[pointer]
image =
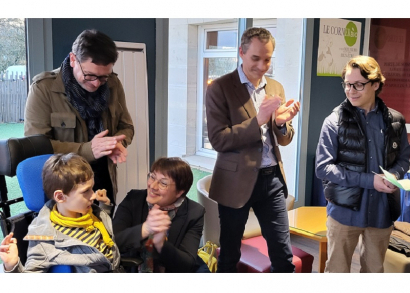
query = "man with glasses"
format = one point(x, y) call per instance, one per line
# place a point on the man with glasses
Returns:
point(248, 119)
point(360, 135)
point(81, 107)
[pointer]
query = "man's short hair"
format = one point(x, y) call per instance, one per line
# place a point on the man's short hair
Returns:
point(64, 172)
point(369, 69)
point(177, 169)
point(95, 45)
point(262, 34)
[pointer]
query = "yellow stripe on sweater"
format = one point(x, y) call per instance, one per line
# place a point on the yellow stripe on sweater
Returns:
point(92, 238)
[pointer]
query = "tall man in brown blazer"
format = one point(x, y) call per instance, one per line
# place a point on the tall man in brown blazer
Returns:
point(247, 119)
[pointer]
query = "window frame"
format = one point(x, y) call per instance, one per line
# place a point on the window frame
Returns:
point(202, 54)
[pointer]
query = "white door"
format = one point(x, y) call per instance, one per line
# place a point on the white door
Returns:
point(131, 68)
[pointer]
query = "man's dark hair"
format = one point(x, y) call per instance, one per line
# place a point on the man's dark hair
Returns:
point(95, 45)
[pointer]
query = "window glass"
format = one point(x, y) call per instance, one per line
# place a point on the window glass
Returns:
point(271, 71)
point(13, 95)
point(221, 40)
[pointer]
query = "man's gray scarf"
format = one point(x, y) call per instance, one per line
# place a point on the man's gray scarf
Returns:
point(89, 105)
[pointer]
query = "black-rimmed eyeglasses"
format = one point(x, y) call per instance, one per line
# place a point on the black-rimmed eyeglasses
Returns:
point(92, 77)
point(358, 86)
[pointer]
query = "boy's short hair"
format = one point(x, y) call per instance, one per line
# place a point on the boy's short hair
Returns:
point(64, 172)
point(262, 34)
point(178, 170)
point(369, 69)
point(95, 45)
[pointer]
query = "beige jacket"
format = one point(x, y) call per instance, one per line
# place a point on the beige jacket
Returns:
point(234, 133)
point(49, 112)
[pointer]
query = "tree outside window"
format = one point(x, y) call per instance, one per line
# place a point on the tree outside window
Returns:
point(12, 43)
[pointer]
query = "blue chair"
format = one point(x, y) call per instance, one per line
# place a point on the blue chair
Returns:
point(31, 184)
point(405, 203)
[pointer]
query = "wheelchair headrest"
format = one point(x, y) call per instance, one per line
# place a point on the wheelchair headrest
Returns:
point(15, 150)
point(31, 183)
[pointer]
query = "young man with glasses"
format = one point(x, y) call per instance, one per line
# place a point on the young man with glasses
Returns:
point(360, 135)
point(81, 107)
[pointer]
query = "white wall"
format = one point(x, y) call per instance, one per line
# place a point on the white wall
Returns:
point(182, 84)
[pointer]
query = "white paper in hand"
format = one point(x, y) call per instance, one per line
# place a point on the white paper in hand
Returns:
point(402, 184)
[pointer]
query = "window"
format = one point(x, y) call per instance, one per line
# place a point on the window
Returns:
point(13, 81)
point(217, 56)
point(221, 40)
point(13, 95)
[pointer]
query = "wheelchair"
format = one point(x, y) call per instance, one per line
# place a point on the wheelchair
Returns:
point(32, 152)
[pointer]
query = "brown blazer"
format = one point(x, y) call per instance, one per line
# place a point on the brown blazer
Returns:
point(234, 133)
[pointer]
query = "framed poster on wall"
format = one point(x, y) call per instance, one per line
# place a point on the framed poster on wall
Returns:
point(339, 41)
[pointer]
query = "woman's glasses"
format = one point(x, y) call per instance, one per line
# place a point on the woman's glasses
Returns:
point(162, 183)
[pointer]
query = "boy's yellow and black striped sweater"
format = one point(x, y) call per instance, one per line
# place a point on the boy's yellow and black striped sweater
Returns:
point(92, 238)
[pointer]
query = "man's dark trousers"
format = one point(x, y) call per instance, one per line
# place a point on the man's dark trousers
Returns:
point(269, 204)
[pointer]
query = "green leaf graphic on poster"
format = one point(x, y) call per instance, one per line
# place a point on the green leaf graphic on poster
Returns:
point(351, 34)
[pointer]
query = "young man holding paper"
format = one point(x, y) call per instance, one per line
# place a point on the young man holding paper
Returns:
point(360, 135)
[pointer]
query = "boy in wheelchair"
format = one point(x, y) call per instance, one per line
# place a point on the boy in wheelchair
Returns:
point(69, 229)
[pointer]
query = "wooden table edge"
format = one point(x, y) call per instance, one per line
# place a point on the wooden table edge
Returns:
point(298, 232)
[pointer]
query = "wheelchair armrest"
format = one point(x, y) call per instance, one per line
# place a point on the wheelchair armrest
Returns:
point(131, 261)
